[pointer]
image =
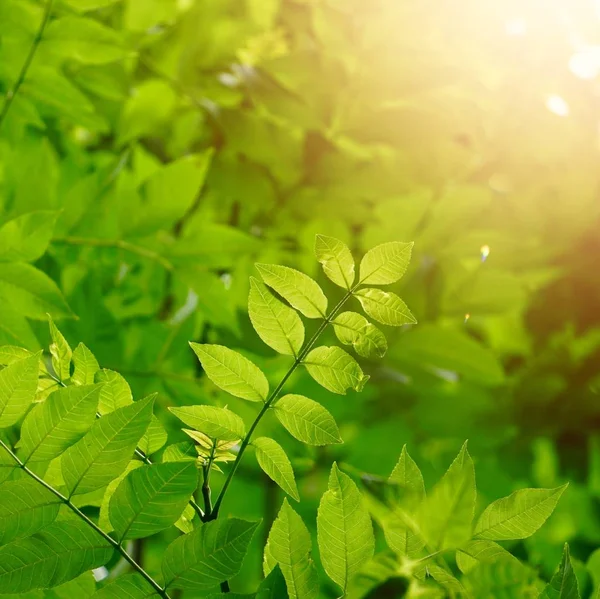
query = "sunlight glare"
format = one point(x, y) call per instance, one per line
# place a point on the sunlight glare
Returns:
point(557, 105)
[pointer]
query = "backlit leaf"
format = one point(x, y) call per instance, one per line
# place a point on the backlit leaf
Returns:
point(116, 392)
point(278, 325)
point(385, 263)
point(289, 546)
point(232, 372)
point(154, 438)
point(218, 423)
point(18, 384)
point(85, 366)
point(61, 353)
point(479, 552)
point(25, 507)
point(447, 512)
point(59, 553)
point(273, 460)
point(354, 329)
point(344, 529)
point(302, 292)
point(152, 498)
point(104, 452)
point(335, 369)
point(127, 586)
point(517, 516)
point(336, 259)
point(207, 556)
point(58, 422)
point(307, 420)
point(384, 307)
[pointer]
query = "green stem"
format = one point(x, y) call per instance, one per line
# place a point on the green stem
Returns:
point(206, 493)
point(14, 90)
point(120, 244)
point(115, 544)
point(272, 397)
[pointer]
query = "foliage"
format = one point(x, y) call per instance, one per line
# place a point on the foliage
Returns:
point(152, 152)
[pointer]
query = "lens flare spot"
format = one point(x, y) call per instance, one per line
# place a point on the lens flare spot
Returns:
point(467, 316)
point(585, 64)
point(557, 105)
point(485, 252)
point(515, 27)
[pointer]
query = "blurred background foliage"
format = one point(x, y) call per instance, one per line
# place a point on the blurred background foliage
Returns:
point(167, 145)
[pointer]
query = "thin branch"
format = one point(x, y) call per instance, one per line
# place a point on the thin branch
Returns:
point(14, 90)
point(120, 244)
point(246, 441)
point(115, 544)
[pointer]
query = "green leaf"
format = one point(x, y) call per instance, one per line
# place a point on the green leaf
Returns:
point(85, 366)
point(116, 392)
point(447, 513)
point(231, 372)
point(278, 325)
point(272, 459)
point(354, 329)
point(517, 516)
point(335, 369)
point(58, 422)
point(128, 586)
point(207, 556)
point(25, 238)
point(478, 552)
point(9, 354)
point(336, 259)
point(563, 584)
point(104, 452)
point(385, 263)
point(14, 327)
point(307, 420)
point(298, 289)
point(31, 291)
point(406, 478)
point(384, 307)
point(25, 507)
point(344, 529)
point(61, 353)
point(273, 586)
point(7, 465)
point(406, 492)
point(104, 518)
point(155, 436)
point(59, 553)
point(152, 498)
point(18, 384)
point(289, 546)
point(218, 423)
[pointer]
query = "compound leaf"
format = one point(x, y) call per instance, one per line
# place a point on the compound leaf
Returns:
point(307, 420)
point(207, 556)
point(336, 259)
point(232, 372)
point(274, 462)
point(517, 516)
point(354, 329)
point(218, 423)
point(384, 307)
point(302, 292)
point(58, 422)
point(344, 529)
point(385, 263)
point(104, 452)
point(151, 498)
point(278, 325)
point(478, 552)
point(289, 546)
point(335, 369)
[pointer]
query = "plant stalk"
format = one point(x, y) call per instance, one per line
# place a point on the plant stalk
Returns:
point(115, 544)
point(272, 397)
point(14, 90)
